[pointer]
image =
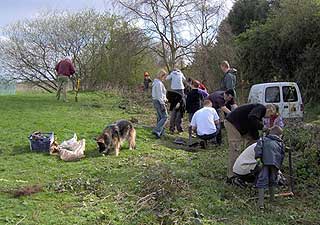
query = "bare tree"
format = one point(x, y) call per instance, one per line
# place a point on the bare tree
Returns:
point(33, 47)
point(178, 25)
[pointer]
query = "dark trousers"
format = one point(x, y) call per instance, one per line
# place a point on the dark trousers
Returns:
point(176, 120)
point(190, 116)
point(267, 177)
point(207, 137)
point(252, 176)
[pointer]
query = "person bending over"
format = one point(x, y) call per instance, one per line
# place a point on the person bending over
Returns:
point(243, 125)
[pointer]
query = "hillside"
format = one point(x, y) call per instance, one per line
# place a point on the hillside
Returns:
point(158, 183)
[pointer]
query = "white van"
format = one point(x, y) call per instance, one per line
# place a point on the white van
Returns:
point(286, 95)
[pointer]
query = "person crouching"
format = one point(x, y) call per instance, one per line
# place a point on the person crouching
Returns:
point(206, 122)
point(269, 152)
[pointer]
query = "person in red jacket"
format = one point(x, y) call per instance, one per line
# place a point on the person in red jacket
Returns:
point(64, 70)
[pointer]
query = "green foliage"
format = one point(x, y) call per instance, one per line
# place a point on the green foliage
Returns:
point(312, 113)
point(125, 56)
point(246, 12)
point(306, 155)
point(285, 47)
point(207, 59)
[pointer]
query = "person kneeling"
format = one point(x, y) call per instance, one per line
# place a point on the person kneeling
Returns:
point(206, 122)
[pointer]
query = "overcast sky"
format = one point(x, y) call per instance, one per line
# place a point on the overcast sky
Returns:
point(14, 10)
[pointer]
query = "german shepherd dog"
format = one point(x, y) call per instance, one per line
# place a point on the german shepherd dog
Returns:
point(114, 135)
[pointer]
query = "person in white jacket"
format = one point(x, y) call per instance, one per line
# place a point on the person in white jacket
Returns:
point(177, 78)
point(246, 168)
point(159, 102)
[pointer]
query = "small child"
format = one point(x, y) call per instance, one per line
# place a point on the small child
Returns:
point(275, 119)
point(269, 152)
point(146, 81)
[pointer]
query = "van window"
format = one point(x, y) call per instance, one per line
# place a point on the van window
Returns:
point(289, 94)
point(272, 94)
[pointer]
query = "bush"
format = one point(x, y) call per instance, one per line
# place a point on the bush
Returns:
point(305, 154)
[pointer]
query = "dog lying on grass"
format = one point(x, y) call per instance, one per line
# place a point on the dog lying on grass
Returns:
point(114, 135)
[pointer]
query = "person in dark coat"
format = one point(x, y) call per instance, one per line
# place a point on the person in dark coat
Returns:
point(243, 125)
point(222, 101)
point(229, 79)
point(194, 100)
point(177, 109)
point(269, 152)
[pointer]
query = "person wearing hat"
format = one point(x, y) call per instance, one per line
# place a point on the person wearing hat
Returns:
point(64, 70)
point(223, 102)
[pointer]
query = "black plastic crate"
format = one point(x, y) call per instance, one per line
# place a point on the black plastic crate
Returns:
point(41, 141)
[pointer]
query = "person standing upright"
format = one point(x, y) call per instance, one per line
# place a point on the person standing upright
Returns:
point(229, 79)
point(177, 78)
point(64, 69)
point(159, 102)
point(146, 81)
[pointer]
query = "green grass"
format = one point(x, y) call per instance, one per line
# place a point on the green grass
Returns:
point(157, 183)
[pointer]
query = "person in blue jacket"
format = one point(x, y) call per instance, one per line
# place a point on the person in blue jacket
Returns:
point(269, 152)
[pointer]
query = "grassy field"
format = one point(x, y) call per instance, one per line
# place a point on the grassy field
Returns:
point(158, 183)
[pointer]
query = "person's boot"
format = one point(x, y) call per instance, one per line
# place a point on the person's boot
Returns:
point(261, 198)
point(271, 193)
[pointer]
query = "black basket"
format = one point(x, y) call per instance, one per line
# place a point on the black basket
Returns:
point(43, 143)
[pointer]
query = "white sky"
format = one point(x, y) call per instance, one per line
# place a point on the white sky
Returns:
point(13, 10)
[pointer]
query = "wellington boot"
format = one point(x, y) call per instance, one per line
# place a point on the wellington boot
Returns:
point(261, 198)
point(271, 193)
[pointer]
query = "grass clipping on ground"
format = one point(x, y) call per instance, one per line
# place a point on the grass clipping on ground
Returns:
point(159, 189)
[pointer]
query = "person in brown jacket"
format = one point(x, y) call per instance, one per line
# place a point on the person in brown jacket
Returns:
point(64, 70)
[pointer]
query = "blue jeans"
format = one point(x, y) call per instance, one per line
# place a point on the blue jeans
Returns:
point(162, 117)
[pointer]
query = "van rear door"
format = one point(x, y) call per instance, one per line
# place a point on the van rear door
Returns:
point(273, 96)
point(291, 101)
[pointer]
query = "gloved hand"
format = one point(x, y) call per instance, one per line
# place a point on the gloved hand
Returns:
point(259, 162)
point(266, 130)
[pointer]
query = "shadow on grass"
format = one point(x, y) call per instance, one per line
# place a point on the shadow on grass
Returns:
point(19, 150)
point(93, 153)
point(169, 142)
